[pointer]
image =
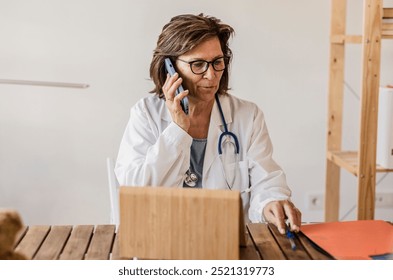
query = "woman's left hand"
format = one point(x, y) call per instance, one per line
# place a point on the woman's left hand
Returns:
point(277, 212)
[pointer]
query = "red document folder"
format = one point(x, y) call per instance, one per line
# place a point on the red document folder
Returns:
point(352, 240)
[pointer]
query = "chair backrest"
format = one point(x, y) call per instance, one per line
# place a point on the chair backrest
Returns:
point(113, 192)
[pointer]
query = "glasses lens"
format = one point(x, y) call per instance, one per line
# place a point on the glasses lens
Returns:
point(199, 66)
point(219, 64)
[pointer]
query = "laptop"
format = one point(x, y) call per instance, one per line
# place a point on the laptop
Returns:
point(180, 223)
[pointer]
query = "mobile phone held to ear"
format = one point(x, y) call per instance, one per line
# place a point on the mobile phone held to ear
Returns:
point(171, 70)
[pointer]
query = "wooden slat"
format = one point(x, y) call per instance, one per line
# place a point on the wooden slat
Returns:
point(20, 235)
point(346, 160)
point(387, 26)
point(387, 30)
point(282, 240)
point(54, 243)
point(387, 13)
point(349, 161)
point(311, 249)
point(265, 242)
point(249, 251)
point(354, 39)
point(387, 33)
point(78, 243)
point(32, 241)
point(101, 244)
point(342, 39)
point(116, 248)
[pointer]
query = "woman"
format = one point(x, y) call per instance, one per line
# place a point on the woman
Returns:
point(164, 146)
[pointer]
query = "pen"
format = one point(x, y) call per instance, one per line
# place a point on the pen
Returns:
point(291, 236)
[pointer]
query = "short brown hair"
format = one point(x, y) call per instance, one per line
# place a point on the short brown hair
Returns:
point(180, 35)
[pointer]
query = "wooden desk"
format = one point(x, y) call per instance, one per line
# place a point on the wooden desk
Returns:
point(88, 242)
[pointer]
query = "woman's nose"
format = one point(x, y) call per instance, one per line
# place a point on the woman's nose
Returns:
point(210, 72)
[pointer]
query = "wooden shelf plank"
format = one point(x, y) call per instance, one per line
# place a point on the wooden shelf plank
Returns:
point(342, 39)
point(387, 13)
point(346, 160)
point(387, 26)
point(387, 33)
point(358, 39)
point(349, 161)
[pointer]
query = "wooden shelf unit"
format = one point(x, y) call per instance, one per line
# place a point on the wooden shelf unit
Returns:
point(362, 163)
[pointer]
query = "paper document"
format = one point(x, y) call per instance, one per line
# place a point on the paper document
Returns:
point(353, 240)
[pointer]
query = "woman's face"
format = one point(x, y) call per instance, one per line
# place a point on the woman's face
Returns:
point(203, 86)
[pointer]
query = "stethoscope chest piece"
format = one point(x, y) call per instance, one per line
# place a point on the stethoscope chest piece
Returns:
point(191, 179)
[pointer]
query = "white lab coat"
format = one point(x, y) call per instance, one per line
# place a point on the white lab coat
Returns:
point(155, 151)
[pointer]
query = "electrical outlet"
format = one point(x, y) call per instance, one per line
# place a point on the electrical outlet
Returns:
point(315, 201)
point(384, 199)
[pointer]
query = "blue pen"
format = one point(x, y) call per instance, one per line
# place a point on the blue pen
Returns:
point(291, 236)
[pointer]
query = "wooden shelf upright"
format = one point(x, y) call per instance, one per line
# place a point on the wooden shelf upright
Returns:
point(360, 163)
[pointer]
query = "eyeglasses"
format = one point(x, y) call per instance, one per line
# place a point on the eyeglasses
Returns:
point(199, 67)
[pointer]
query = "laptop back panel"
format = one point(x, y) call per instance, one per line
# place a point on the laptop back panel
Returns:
point(179, 223)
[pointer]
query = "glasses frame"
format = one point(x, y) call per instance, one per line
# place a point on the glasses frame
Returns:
point(207, 63)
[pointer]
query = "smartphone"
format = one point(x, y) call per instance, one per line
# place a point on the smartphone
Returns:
point(171, 70)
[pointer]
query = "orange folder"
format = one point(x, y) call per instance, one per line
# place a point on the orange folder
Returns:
point(352, 240)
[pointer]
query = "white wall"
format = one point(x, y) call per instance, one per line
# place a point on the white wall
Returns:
point(54, 141)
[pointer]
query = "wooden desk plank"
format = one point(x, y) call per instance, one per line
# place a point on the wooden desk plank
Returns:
point(32, 241)
point(116, 248)
point(78, 243)
point(249, 252)
point(101, 244)
point(265, 242)
point(20, 235)
point(54, 243)
point(311, 250)
point(285, 245)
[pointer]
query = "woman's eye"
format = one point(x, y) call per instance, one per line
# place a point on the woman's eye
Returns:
point(198, 64)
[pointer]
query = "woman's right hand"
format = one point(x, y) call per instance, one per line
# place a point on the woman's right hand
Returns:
point(173, 101)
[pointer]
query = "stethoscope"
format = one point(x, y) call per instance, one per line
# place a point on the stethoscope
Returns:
point(225, 138)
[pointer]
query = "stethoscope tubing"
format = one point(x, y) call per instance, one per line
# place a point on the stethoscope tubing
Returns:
point(226, 131)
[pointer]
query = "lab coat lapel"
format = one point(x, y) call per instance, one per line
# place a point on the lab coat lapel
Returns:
point(216, 127)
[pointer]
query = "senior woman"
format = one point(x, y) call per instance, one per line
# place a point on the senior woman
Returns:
point(222, 143)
